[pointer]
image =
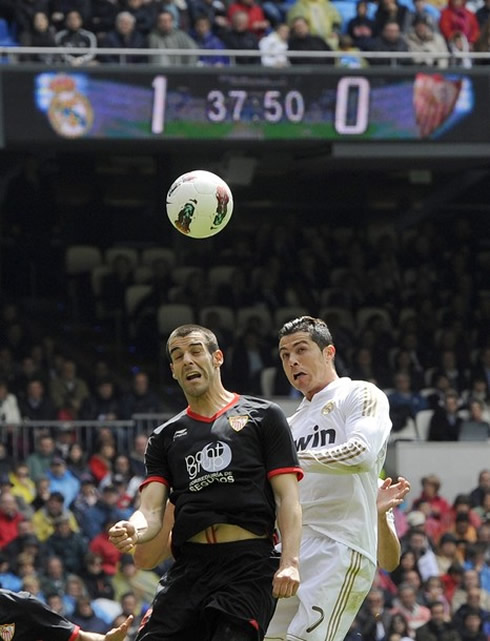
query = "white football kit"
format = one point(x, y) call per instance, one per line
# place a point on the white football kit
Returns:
point(341, 436)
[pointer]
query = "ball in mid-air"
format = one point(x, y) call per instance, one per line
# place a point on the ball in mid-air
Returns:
point(199, 204)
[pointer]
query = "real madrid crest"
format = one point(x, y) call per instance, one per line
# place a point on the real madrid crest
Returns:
point(7, 631)
point(70, 112)
point(238, 422)
point(327, 408)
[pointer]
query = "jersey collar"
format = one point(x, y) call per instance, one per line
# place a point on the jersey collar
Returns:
point(211, 419)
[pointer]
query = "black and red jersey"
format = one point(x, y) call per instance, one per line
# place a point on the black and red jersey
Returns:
point(218, 468)
point(24, 618)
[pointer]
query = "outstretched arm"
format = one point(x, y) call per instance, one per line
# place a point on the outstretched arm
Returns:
point(116, 634)
point(389, 496)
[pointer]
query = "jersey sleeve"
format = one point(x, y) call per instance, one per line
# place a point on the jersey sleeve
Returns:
point(367, 427)
point(44, 623)
point(279, 449)
point(157, 469)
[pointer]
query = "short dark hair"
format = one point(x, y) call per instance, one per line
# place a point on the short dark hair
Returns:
point(315, 327)
point(211, 341)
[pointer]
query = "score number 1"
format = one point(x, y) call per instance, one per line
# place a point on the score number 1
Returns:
point(159, 85)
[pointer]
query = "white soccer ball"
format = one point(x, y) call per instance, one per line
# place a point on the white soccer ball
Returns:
point(199, 204)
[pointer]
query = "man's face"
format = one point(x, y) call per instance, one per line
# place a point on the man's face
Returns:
point(46, 446)
point(8, 505)
point(391, 32)
point(35, 390)
point(54, 507)
point(73, 20)
point(306, 366)
point(165, 22)
point(300, 28)
point(141, 384)
point(193, 366)
point(437, 612)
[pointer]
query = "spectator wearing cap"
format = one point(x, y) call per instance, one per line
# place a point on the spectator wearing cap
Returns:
point(66, 544)
point(447, 552)
point(103, 511)
point(425, 43)
point(43, 519)
point(10, 517)
point(40, 460)
point(102, 547)
point(62, 480)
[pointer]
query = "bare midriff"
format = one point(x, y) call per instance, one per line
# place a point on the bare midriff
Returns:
point(224, 533)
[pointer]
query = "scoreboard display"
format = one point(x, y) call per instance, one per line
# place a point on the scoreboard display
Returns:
point(228, 104)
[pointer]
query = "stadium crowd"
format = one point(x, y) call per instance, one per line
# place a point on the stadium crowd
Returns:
point(424, 27)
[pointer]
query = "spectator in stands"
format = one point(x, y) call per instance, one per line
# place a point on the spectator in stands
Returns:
point(449, 367)
point(144, 12)
point(441, 386)
point(483, 510)
point(349, 56)
point(462, 528)
point(398, 629)
point(101, 547)
point(9, 408)
point(87, 497)
point(44, 518)
point(61, 8)
point(426, 562)
point(361, 28)
point(42, 493)
point(102, 17)
point(103, 405)
point(475, 427)
point(54, 576)
point(10, 517)
point(434, 591)
point(137, 454)
point(445, 423)
point(76, 460)
point(389, 11)
point(472, 627)
point(165, 35)
point(96, 579)
point(62, 480)
point(85, 617)
point(129, 578)
point(130, 606)
point(68, 391)
point(477, 494)
point(374, 618)
point(274, 46)
point(390, 40)
point(421, 9)
point(8, 579)
point(100, 463)
point(206, 39)
point(250, 357)
point(437, 627)
point(473, 602)
point(214, 10)
point(322, 17)
point(431, 485)
point(103, 511)
point(257, 22)
point(422, 40)
point(22, 485)
point(470, 581)
point(141, 399)
point(41, 34)
point(404, 402)
point(36, 405)
point(23, 12)
point(406, 604)
point(40, 460)
point(301, 39)
point(124, 35)
point(240, 37)
point(478, 391)
point(456, 19)
point(446, 552)
point(75, 37)
point(66, 544)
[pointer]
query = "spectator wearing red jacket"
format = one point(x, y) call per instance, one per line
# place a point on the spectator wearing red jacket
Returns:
point(257, 22)
point(456, 18)
point(10, 517)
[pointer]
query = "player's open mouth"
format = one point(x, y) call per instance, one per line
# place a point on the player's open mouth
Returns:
point(298, 375)
point(192, 376)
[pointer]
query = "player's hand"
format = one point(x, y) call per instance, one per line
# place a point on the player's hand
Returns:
point(119, 633)
point(123, 536)
point(391, 494)
point(285, 582)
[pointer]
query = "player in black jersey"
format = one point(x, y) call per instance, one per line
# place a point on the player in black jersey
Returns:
point(24, 618)
point(229, 465)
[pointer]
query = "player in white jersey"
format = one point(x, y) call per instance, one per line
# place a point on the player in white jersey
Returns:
point(341, 430)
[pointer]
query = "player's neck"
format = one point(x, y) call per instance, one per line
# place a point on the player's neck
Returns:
point(311, 393)
point(211, 402)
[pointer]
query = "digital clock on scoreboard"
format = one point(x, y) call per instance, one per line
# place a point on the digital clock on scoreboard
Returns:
point(231, 105)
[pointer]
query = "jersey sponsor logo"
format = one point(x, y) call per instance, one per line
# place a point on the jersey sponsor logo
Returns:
point(213, 457)
point(238, 422)
point(180, 433)
point(318, 438)
point(7, 631)
point(327, 408)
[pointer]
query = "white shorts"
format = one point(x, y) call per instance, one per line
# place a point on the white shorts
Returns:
point(335, 580)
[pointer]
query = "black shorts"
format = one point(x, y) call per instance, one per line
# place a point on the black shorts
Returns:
point(233, 580)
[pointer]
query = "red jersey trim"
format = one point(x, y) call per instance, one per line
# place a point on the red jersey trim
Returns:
point(154, 479)
point(74, 634)
point(254, 624)
point(210, 419)
point(286, 470)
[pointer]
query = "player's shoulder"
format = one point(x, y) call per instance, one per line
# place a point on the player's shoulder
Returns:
point(257, 407)
point(366, 388)
point(171, 424)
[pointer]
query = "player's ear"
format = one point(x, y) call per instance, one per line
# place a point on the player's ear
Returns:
point(218, 358)
point(172, 370)
point(329, 352)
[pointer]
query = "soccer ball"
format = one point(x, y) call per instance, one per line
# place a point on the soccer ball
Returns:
point(199, 204)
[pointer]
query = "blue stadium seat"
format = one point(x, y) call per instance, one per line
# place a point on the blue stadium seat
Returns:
point(6, 39)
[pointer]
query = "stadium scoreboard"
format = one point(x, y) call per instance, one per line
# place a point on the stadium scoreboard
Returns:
point(65, 106)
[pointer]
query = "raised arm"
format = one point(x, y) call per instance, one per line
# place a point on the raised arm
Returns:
point(149, 555)
point(285, 488)
point(389, 496)
point(145, 523)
